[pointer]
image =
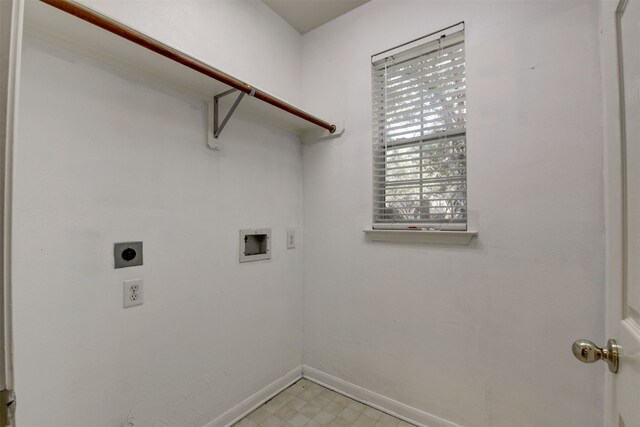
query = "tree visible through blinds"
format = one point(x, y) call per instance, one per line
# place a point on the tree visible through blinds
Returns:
point(419, 137)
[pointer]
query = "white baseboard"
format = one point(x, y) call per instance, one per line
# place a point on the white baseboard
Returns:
point(245, 407)
point(375, 400)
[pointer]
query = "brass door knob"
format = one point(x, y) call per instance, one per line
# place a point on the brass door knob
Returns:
point(587, 352)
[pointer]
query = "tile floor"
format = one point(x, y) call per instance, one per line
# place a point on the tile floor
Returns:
point(306, 404)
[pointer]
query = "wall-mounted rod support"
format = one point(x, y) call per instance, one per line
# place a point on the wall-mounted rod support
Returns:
point(89, 15)
point(217, 128)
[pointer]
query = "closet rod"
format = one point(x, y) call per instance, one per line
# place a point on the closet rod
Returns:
point(95, 18)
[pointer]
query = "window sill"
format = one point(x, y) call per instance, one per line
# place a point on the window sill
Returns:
point(421, 236)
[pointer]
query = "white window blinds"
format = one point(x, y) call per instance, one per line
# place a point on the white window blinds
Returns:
point(419, 137)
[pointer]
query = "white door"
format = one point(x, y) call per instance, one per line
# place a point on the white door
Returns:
point(10, 38)
point(623, 239)
point(626, 384)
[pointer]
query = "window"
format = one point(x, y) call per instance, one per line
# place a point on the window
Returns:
point(419, 136)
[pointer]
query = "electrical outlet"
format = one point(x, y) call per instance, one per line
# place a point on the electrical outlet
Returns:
point(127, 254)
point(133, 292)
point(291, 238)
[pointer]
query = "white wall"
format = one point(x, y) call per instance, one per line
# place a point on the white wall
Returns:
point(244, 38)
point(104, 157)
point(477, 335)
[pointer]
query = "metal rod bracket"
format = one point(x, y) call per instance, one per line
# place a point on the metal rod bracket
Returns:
point(217, 127)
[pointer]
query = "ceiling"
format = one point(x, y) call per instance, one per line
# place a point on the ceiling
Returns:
point(305, 15)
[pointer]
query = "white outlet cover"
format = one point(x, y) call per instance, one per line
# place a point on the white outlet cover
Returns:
point(132, 292)
point(291, 238)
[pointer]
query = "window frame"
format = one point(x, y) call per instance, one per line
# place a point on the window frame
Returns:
point(421, 47)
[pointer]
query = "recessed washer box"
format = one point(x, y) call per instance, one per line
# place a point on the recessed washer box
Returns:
point(255, 244)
